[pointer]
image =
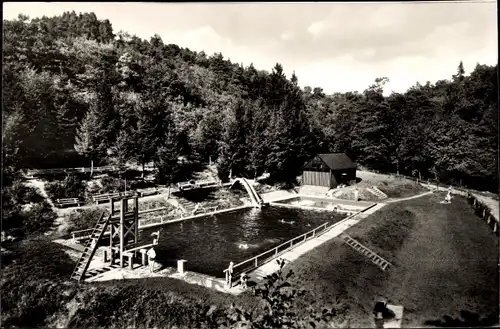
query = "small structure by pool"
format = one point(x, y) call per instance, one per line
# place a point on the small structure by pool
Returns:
point(319, 203)
point(329, 170)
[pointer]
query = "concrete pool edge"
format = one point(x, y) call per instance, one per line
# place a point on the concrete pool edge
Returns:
point(284, 205)
point(289, 255)
point(212, 282)
point(146, 226)
point(257, 274)
point(360, 204)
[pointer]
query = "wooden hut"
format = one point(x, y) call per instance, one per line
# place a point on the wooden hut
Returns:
point(329, 170)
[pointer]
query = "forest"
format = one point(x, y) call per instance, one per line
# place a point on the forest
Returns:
point(76, 91)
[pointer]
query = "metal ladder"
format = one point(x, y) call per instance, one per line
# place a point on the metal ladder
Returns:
point(376, 259)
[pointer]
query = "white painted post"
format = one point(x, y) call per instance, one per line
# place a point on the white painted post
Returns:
point(181, 266)
point(256, 262)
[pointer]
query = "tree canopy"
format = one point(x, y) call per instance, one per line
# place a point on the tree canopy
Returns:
point(75, 91)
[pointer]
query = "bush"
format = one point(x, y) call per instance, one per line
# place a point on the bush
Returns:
point(31, 284)
point(82, 219)
point(38, 219)
point(22, 194)
point(113, 185)
point(72, 186)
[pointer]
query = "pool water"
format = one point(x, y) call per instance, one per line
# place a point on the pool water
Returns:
point(210, 243)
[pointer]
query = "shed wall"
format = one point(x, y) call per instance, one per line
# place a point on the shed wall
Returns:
point(316, 178)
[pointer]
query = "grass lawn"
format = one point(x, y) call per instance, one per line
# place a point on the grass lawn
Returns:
point(445, 263)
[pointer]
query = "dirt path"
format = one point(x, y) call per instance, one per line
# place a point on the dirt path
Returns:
point(61, 223)
point(408, 198)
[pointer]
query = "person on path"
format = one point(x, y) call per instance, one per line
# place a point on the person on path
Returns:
point(244, 281)
point(151, 259)
point(230, 274)
point(378, 311)
point(448, 197)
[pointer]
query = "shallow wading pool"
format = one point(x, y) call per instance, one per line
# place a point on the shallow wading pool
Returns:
point(210, 243)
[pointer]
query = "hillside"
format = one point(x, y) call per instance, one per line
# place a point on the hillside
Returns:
point(114, 98)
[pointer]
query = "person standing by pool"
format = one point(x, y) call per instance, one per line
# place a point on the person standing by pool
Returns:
point(244, 281)
point(151, 259)
point(230, 274)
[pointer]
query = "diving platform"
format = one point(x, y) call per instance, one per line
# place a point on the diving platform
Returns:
point(123, 228)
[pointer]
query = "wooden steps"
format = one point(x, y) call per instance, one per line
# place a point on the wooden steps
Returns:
point(376, 259)
point(378, 193)
point(90, 248)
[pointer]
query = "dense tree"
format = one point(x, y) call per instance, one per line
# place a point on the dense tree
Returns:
point(68, 81)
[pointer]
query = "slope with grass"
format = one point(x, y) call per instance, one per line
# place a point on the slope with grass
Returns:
point(445, 262)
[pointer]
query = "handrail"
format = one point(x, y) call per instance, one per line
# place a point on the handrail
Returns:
point(152, 210)
point(275, 249)
point(67, 170)
point(302, 237)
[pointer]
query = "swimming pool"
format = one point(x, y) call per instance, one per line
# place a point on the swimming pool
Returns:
point(210, 243)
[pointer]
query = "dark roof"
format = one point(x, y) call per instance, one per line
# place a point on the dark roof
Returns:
point(337, 161)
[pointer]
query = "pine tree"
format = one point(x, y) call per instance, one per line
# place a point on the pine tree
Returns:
point(89, 138)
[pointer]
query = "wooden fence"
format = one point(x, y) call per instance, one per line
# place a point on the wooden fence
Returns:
point(57, 171)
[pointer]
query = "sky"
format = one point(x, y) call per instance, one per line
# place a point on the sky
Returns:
point(336, 46)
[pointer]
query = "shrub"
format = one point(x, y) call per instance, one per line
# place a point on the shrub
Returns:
point(72, 186)
point(112, 185)
point(278, 308)
point(82, 219)
point(38, 219)
point(31, 286)
point(23, 194)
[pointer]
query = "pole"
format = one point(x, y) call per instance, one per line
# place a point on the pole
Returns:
point(91, 167)
point(122, 224)
point(136, 222)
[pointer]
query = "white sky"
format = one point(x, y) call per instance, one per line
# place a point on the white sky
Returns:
point(336, 46)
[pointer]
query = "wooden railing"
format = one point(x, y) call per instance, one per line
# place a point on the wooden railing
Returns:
point(55, 171)
point(258, 260)
point(266, 256)
point(83, 234)
point(152, 210)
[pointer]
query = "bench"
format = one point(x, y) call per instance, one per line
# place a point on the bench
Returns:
point(148, 192)
point(128, 194)
point(207, 183)
point(186, 186)
point(66, 202)
point(105, 197)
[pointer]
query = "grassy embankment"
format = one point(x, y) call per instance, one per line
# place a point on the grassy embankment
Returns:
point(445, 263)
point(444, 256)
